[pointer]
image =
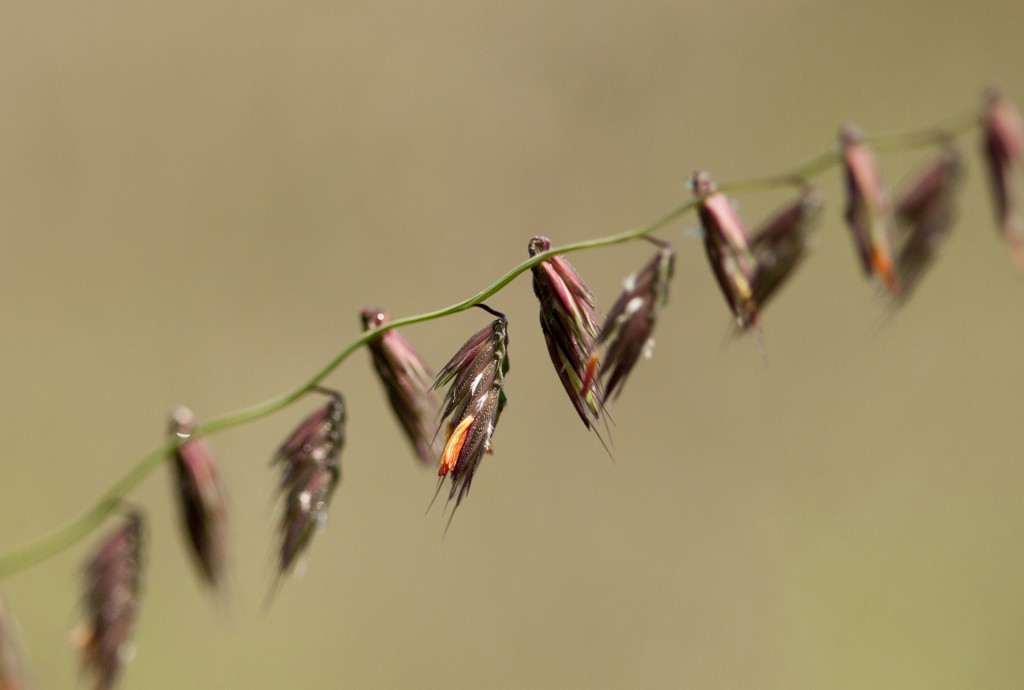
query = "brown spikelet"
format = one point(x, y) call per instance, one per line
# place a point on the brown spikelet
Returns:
point(310, 471)
point(867, 207)
point(475, 377)
point(568, 320)
point(780, 246)
point(407, 380)
point(627, 329)
point(924, 212)
point(202, 500)
point(727, 245)
point(112, 587)
point(1003, 146)
point(12, 665)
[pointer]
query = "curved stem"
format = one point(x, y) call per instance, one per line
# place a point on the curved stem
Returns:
point(798, 176)
point(64, 537)
point(70, 534)
point(941, 133)
point(67, 536)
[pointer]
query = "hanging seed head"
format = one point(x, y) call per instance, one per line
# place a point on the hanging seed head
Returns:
point(475, 377)
point(112, 585)
point(407, 381)
point(310, 471)
point(924, 213)
point(627, 329)
point(1004, 152)
point(727, 246)
point(867, 207)
point(12, 666)
point(202, 500)
point(568, 320)
point(780, 245)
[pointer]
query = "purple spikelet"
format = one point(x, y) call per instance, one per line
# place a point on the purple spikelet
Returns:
point(924, 213)
point(867, 207)
point(407, 380)
point(780, 246)
point(568, 320)
point(310, 471)
point(112, 584)
point(475, 377)
point(1003, 146)
point(727, 245)
point(627, 328)
point(202, 500)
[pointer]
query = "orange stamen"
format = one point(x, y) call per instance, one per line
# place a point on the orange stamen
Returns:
point(883, 265)
point(588, 375)
point(452, 449)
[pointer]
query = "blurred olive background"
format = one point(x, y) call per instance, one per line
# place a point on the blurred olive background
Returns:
point(197, 198)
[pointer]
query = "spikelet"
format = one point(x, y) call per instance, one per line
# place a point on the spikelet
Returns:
point(727, 245)
point(1003, 147)
point(112, 587)
point(475, 377)
point(867, 207)
point(628, 328)
point(780, 246)
point(310, 471)
point(202, 500)
point(407, 380)
point(924, 213)
point(568, 320)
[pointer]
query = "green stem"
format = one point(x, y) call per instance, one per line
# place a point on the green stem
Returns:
point(938, 134)
point(70, 534)
point(64, 537)
point(797, 177)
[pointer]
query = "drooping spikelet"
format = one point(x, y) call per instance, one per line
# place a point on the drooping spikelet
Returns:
point(780, 245)
point(1004, 152)
point(12, 665)
point(568, 320)
point(867, 207)
point(407, 381)
point(202, 500)
point(310, 471)
point(475, 377)
point(112, 587)
point(628, 327)
point(728, 249)
point(924, 213)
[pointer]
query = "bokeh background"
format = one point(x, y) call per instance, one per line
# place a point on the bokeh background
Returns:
point(196, 198)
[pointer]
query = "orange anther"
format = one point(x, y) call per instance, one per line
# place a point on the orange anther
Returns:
point(588, 375)
point(452, 449)
point(883, 266)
